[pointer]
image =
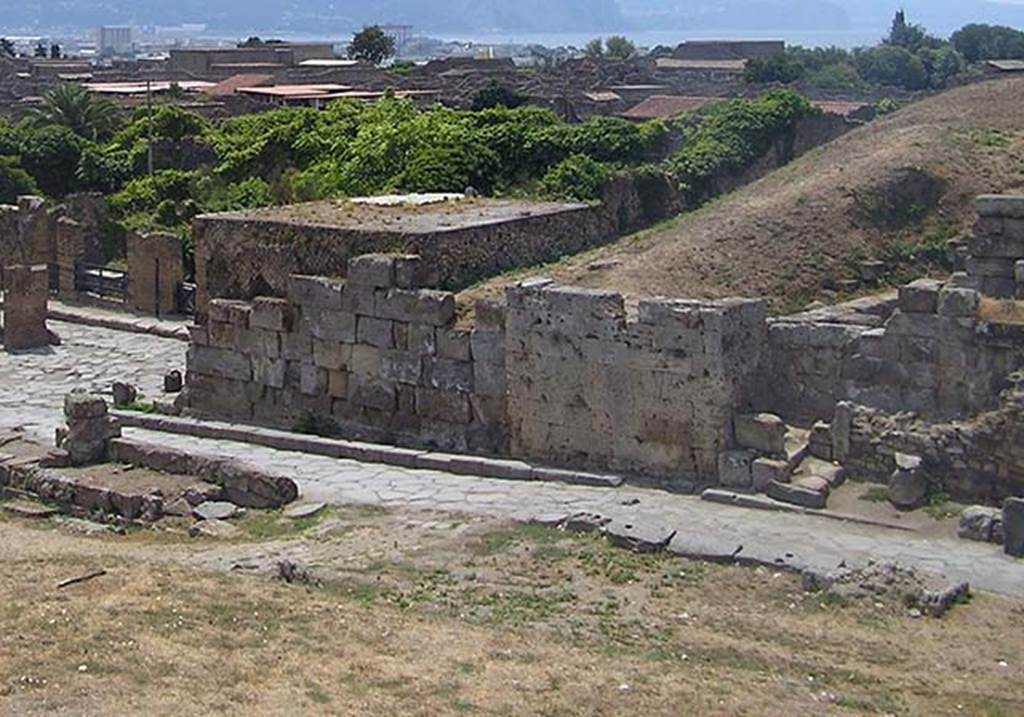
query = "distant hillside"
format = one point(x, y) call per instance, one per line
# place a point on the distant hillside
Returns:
point(884, 187)
point(323, 16)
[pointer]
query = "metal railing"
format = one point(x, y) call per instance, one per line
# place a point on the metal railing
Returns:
point(101, 281)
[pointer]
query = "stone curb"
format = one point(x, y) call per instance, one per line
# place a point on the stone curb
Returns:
point(757, 502)
point(500, 468)
point(129, 324)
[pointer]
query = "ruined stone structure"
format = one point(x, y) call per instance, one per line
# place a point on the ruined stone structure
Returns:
point(26, 290)
point(155, 268)
point(242, 255)
point(666, 389)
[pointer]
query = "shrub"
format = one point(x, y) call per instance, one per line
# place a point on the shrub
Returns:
point(978, 42)
point(449, 169)
point(495, 94)
point(51, 155)
point(577, 177)
point(889, 65)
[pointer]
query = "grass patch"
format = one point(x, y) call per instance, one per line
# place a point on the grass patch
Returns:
point(876, 494)
point(138, 407)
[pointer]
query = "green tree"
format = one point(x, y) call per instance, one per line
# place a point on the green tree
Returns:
point(14, 181)
point(6, 48)
point(576, 177)
point(51, 154)
point(890, 65)
point(909, 36)
point(595, 48)
point(942, 64)
point(372, 44)
point(40, 50)
point(55, 53)
point(618, 47)
point(784, 68)
point(74, 107)
point(989, 42)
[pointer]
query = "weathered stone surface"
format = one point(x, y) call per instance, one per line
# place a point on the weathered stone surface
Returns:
point(376, 270)
point(271, 314)
point(639, 537)
point(1000, 205)
point(920, 297)
point(375, 332)
point(315, 292)
point(328, 325)
point(958, 302)
point(222, 363)
point(908, 487)
point(80, 405)
point(426, 306)
point(215, 510)
point(765, 470)
point(982, 524)
point(124, 393)
point(1013, 527)
point(412, 272)
point(808, 493)
point(762, 432)
point(300, 511)
point(173, 382)
point(735, 469)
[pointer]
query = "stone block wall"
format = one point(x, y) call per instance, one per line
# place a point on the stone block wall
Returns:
point(155, 268)
point(654, 394)
point(377, 353)
point(26, 290)
point(26, 233)
point(997, 247)
point(980, 460)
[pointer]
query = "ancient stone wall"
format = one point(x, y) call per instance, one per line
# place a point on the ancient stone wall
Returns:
point(652, 395)
point(978, 460)
point(26, 233)
point(155, 268)
point(244, 258)
point(377, 354)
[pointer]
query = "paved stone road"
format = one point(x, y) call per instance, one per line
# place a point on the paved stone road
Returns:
point(33, 383)
point(31, 393)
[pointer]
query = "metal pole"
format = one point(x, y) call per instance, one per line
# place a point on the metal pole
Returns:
point(149, 112)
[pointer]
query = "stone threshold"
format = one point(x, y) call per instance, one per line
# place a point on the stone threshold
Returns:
point(457, 464)
point(109, 319)
point(760, 502)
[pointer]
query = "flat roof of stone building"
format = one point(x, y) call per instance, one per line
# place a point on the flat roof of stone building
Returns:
point(408, 214)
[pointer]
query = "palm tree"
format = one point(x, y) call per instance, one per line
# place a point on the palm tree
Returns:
point(74, 107)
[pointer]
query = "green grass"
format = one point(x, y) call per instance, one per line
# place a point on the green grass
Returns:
point(876, 494)
point(138, 407)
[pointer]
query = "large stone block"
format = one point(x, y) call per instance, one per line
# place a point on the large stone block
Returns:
point(376, 270)
point(434, 308)
point(401, 366)
point(375, 332)
point(229, 311)
point(735, 469)
point(996, 267)
point(331, 355)
point(447, 374)
point(25, 297)
point(453, 344)
point(374, 393)
point(412, 272)
point(330, 325)
point(210, 361)
point(315, 292)
point(1013, 526)
point(920, 297)
point(269, 372)
point(79, 405)
point(271, 314)
point(959, 302)
point(1000, 205)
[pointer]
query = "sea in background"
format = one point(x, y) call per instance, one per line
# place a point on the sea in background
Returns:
point(844, 38)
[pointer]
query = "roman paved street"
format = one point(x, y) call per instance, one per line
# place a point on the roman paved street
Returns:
point(32, 386)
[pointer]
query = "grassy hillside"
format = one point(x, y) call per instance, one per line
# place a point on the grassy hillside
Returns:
point(903, 182)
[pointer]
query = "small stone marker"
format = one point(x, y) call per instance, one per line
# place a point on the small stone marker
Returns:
point(908, 487)
point(215, 510)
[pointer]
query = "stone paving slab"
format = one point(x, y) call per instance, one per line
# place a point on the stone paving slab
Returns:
point(33, 383)
point(168, 327)
point(706, 530)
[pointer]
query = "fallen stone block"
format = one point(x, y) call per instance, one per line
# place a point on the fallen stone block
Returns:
point(735, 469)
point(820, 441)
point(807, 492)
point(959, 302)
point(920, 297)
point(765, 470)
point(586, 522)
point(124, 393)
point(216, 510)
point(576, 478)
point(982, 524)
point(908, 486)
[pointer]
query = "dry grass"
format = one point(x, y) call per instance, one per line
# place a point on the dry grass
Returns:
point(490, 620)
point(1002, 311)
point(858, 197)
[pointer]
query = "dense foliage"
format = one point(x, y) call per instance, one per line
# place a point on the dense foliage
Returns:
point(351, 148)
point(372, 44)
point(908, 58)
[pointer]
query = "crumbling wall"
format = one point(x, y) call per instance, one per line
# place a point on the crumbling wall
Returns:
point(936, 353)
point(377, 353)
point(653, 394)
point(155, 268)
point(980, 460)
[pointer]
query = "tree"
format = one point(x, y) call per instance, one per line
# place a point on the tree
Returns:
point(890, 65)
point(941, 64)
point(904, 34)
point(618, 47)
point(55, 53)
point(14, 181)
point(40, 50)
point(372, 44)
point(595, 48)
point(51, 155)
point(74, 107)
point(989, 42)
point(783, 68)
point(6, 48)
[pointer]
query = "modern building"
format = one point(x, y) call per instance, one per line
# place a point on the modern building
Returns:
point(112, 41)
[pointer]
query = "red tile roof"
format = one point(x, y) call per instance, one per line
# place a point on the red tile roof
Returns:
point(666, 106)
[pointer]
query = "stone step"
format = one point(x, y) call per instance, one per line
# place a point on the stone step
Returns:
point(833, 473)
